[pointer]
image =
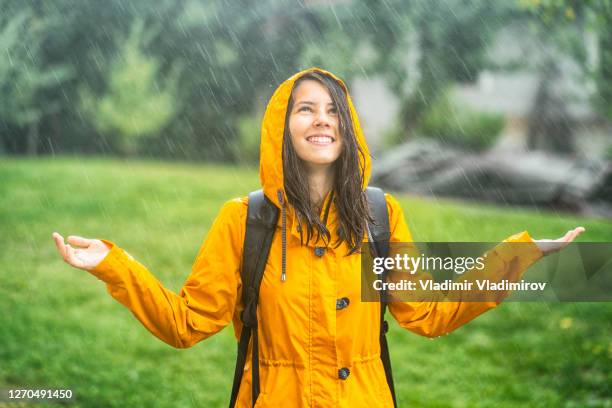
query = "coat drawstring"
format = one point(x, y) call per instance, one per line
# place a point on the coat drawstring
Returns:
point(281, 200)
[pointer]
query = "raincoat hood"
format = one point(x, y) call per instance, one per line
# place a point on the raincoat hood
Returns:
point(272, 129)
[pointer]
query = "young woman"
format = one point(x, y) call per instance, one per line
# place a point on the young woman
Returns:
point(314, 167)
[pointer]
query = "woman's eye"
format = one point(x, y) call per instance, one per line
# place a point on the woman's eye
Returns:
point(333, 111)
point(305, 108)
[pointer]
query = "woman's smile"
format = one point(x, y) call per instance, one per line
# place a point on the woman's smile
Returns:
point(321, 140)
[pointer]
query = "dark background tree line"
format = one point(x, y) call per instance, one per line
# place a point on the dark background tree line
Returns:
point(188, 78)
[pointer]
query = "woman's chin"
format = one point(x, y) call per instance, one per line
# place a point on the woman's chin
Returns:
point(320, 160)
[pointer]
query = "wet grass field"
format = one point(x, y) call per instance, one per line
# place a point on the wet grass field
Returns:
point(60, 329)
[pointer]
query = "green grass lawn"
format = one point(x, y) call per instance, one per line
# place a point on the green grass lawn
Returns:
point(60, 329)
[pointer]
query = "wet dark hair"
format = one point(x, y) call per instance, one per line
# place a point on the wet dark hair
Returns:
point(349, 197)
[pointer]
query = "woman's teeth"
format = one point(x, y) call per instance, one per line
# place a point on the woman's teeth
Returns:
point(320, 140)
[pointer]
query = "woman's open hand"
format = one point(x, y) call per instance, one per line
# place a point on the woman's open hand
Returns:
point(548, 246)
point(86, 254)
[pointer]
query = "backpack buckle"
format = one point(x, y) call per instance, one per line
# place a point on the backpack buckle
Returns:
point(384, 327)
point(249, 314)
point(246, 319)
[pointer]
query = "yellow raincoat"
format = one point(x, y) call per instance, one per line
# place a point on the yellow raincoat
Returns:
point(304, 340)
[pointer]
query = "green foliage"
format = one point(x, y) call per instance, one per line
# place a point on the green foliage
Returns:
point(452, 38)
point(247, 147)
point(550, 11)
point(565, 22)
point(22, 76)
point(231, 60)
point(604, 70)
point(460, 125)
point(64, 330)
point(135, 104)
point(394, 135)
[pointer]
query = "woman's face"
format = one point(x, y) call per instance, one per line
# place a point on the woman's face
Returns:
point(314, 124)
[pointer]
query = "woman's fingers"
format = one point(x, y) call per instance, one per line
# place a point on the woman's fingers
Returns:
point(59, 243)
point(578, 231)
point(566, 237)
point(548, 246)
point(572, 234)
point(73, 259)
point(66, 251)
point(79, 241)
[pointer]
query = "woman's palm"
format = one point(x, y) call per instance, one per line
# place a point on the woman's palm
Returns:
point(548, 246)
point(86, 253)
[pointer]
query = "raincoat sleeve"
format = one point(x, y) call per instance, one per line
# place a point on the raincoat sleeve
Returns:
point(207, 300)
point(430, 318)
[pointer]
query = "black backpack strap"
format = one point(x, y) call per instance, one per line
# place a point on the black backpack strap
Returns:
point(261, 221)
point(379, 235)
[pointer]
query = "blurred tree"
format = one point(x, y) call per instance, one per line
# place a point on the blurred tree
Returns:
point(449, 40)
point(87, 41)
point(604, 71)
point(549, 126)
point(560, 29)
point(136, 103)
point(453, 37)
point(22, 79)
point(600, 20)
point(459, 125)
point(564, 24)
point(235, 54)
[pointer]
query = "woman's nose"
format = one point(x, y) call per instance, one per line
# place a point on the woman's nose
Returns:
point(322, 119)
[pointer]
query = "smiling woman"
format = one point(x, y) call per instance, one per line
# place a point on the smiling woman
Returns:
point(313, 343)
point(321, 154)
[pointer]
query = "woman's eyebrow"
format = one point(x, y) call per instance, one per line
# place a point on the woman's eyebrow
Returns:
point(312, 103)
